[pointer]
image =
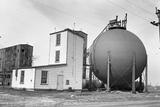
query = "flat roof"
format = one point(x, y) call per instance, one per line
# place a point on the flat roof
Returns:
point(79, 33)
point(16, 45)
point(42, 66)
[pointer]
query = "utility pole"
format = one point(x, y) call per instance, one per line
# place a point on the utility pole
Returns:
point(157, 23)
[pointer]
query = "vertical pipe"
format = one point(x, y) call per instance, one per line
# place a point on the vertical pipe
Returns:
point(146, 78)
point(49, 54)
point(90, 78)
point(108, 72)
point(133, 75)
point(158, 15)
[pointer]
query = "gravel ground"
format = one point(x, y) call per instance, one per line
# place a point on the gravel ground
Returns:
point(20, 98)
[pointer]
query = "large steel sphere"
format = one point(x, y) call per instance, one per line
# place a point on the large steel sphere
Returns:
point(122, 46)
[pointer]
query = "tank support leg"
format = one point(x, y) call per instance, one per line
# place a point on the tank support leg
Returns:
point(133, 75)
point(140, 83)
point(146, 78)
point(108, 72)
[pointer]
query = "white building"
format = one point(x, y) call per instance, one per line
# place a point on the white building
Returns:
point(65, 69)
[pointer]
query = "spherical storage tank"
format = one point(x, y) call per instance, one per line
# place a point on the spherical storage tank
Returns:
point(122, 47)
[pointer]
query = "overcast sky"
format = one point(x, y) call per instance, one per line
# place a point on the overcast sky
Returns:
point(31, 21)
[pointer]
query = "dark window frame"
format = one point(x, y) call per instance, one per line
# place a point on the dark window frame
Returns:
point(57, 56)
point(22, 77)
point(44, 77)
point(67, 82)
point(58, 39)
point(16, 73)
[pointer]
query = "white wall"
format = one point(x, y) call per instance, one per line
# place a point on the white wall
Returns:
point(62, 47)
point(75, 58)
point(28, 78)
point(72, 71)
point(53, 72)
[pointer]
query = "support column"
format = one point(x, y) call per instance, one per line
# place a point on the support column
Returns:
point(90, 73)
point(90, 78)
point(146, 78)
point(133, 75)
point(140, 84)
point(108, 72)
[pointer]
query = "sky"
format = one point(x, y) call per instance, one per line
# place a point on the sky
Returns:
point(31, 22)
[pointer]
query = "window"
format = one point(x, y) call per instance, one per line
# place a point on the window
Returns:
point(44, 75)
point(0, 63)
point(67, 82)
point(58, 39)
point(57, 57)
point(8, 76)
point(22, 50)
point(22, 77)
point(16, 73)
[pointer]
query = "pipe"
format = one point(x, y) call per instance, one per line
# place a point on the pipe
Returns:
point(133, 75)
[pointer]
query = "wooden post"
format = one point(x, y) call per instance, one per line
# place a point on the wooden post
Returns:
point(158, 23)
point(108, 72)
point(146, 78)
point(133, 75)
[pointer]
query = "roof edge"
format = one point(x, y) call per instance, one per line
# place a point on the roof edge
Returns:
point(72, 31)
point(51, 65)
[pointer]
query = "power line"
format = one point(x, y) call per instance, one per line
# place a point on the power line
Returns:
point(130, 11)
point(86, 21)
point(69, 14)
point(149, 2)
point(139, 7)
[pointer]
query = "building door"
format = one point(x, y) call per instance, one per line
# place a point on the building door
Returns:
point(60, 82)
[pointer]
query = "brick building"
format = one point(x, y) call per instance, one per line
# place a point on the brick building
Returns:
point(14, 57)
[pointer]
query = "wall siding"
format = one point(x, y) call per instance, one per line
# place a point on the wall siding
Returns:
point(29, 75)
point(72, 71)
point(75, 58)
point(62, 48)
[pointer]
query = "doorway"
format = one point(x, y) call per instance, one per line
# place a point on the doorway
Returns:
point(59, 82)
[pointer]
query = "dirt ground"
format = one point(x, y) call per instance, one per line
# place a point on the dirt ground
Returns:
point(20, 98)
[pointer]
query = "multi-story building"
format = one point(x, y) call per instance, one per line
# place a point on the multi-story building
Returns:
point(61, 40)
point(66, 64)
point(12, 58)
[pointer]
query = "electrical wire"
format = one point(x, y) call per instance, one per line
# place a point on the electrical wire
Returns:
point(68, 14)
point(151, 3)
point(139, 7)
point(148, 20)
